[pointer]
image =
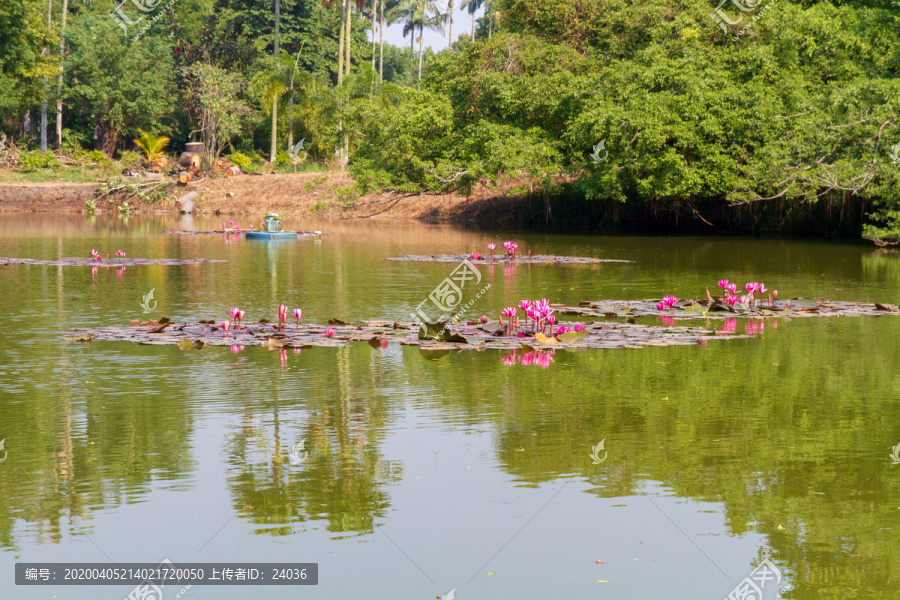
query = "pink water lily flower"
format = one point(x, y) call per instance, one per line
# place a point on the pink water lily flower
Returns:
point(234, 312)
point(761, 288)
point(329, 333)
point(723, 283)
point(661, 306)
point(484, 319)
point(730, 299)
point(475, 256)
point(743, 299)
point(562, 329)
point(282, 315)
point(298, 314)
point(510, 313)
point(579, 327)
point(225, 325)
point(236, 348)
point(732, 287)
point(669, 300)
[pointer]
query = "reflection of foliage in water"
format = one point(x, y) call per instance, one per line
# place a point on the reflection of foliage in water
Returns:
point(75, 453)
point(341, 479)
point(882, 265)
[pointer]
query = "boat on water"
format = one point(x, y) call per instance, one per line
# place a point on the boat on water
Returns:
point(272, 235)
point(271, 230)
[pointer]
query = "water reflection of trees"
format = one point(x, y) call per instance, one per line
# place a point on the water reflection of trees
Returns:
point(74, 454)
point(342, 479)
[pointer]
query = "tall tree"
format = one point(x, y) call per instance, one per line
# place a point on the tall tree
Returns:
point(374, 17)
point(450, 19)
point(62, 51)
point(122, 85)
point(472, 6)
point(44, 99)
point(275, 98)
point(431, 18)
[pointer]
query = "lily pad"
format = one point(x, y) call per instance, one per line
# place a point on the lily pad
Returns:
point(539, 259)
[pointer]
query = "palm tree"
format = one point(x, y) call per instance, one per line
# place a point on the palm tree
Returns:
point(152, 145)
point(434, 21)
point(270, 84)
point(450, 18)
point(418, 14)
point(490, 15)
point(472, 6)
point(403, 12)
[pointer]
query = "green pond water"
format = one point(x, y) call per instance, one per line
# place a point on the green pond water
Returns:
point(423, 473)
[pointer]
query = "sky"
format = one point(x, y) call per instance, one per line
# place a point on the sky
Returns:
point(462, 23)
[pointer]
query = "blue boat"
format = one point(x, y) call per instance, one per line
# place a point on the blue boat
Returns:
point(273, 230)
point(272, 235)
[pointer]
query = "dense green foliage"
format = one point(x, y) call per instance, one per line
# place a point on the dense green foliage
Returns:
point(796, 104)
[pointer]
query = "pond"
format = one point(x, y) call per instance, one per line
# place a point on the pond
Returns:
point(407, 474)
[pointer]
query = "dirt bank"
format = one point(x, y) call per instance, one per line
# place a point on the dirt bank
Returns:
point(45, 197)
point(328, 194)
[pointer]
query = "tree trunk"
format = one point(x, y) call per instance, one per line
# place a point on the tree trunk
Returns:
point(184, 177)
point(381, 43)
point(491, 20)
point(62, 51)
point(412, 41)
point(291, 121)
point(450, 33)
point(349, 22)
point(340, 70)
point(421, 41)
point(44, 79)
point(232, 171)
point(473, 27)
point(275, 100)
point(374, 16)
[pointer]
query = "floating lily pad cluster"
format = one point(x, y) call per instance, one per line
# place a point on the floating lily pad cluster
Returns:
point(539, 259)
point(381, 334)
point(716, 308)
point(77, 261)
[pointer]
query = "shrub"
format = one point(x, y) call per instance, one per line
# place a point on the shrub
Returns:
point(282, 158)
point(38, 160)
point(318, 207)
point(130, 159)
point(239, 159)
